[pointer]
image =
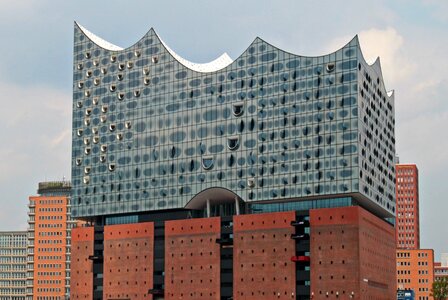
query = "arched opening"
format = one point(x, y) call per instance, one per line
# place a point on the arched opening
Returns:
point(214, 202)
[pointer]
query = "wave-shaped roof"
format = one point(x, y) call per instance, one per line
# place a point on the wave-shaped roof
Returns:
point(224, 60)
point(221, 62)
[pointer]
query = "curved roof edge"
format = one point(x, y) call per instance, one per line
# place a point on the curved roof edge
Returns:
point(224, 60)
point(376, 66)
point(97, 40)
point(219, 63)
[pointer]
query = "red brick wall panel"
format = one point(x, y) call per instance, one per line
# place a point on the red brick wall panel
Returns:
point(192, 259)
point(351, 253)
point(81, 283)
point(128, 261)
point(377, 256)
point(262, 266)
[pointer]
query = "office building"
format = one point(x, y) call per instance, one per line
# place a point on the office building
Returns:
point(441, 268)
point(415, 271)
point(407, 216)
point(49, 233)
point(13, 265)
point(241, 179)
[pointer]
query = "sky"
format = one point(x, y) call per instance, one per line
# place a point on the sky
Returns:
point(36, 53)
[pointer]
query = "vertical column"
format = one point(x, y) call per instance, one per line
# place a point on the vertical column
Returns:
point(226, 254)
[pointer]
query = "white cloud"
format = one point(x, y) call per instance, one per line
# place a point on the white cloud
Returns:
point(36, 124)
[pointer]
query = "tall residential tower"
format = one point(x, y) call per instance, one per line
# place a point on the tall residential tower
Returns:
point(407, 215)
point(271, 175)
point(49, 233)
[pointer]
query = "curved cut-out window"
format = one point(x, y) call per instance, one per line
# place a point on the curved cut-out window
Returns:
point(103, 148)
point(86, 141)
point(121, 67)
point(96, 62)
point(136, 93)
point(251, 182)
point(103, 119)
point(233, 142)
point(88, 112)
point(88, 74)
point(137, 53)
point(111, 167)
point(87, 121)
point(80, 85)
point(330, 67)
point(155, 59)
point(87, 93)
point(113, 88)
point(96, 81)
point(238, 109)
point(113, 58)
point(80, 66)
point(130, 64)
point(95, 100)
point(86, 179)
point(104, 108)
point(102, 158)
point(146, 81)
point(112, 127)
point(88, 55)
point(145, 71)
point(78, 161)
point(79, 132)
point(87, 150)
point(119, 136)
point(87, 170)
point(94, 130)
point(207, 162)
point(103, 71)
point(120, 77)
point(128, 124)
point(79, 104)
point(120, 96)
point(96, 139)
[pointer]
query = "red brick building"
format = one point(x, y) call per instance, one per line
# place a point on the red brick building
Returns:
point(49, 234)
point(440, 271)
point(324, 253)
point(407, 207)
point(415, 271)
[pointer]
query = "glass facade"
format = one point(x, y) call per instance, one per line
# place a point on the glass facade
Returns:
point(150, 133)
point(301, 205)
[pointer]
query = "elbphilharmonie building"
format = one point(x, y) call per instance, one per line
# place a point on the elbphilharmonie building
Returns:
point(231, 178)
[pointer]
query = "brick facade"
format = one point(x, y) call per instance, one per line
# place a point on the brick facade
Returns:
point(262, 263)
point(81, 286)
point(192, 259)
point(351, 254)
point(128, 261)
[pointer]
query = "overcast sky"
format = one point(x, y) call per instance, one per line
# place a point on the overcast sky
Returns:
point(411, 38)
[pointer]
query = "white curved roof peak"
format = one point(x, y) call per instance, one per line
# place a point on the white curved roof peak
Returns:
point(221, 62)
point(99, 41)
